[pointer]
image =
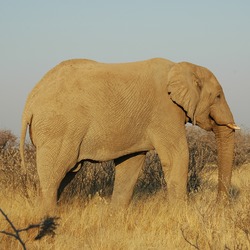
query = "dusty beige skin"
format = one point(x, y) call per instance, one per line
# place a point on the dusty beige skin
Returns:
point(83, 109)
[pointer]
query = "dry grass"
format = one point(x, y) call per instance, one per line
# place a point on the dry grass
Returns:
point(149, 223)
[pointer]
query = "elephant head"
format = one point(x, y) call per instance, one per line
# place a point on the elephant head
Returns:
point(200, 95)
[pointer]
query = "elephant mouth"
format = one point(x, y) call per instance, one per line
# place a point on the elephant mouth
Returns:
point(232, 126)
point(222, 120)
point(208, 126)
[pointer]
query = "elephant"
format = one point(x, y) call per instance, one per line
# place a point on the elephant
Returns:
point(87, 110)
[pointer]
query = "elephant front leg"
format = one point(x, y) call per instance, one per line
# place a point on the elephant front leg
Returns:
point(175, 167)
point(126, 174)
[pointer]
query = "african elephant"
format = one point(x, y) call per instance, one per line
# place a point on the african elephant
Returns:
point(82, 109)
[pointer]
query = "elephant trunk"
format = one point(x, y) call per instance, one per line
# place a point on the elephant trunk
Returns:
point(225, 138)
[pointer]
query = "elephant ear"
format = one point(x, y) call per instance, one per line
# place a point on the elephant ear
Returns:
point(184, 87)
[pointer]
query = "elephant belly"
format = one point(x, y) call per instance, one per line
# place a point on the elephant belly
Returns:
point(105, 149)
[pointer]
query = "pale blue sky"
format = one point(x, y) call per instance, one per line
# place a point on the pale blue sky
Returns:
point(36, 35)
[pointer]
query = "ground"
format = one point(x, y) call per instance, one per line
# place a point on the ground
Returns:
point(149, 223)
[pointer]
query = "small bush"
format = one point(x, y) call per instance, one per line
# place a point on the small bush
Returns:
point(11, 176)
point(7, 139)
point(202, 152)
point(90, 179)
point(242, 148)
point(152, 178)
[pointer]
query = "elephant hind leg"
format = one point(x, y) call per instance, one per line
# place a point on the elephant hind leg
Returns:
point(126, 174)
point(53, 163)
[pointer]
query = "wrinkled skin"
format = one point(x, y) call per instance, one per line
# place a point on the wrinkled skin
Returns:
point(83, 109)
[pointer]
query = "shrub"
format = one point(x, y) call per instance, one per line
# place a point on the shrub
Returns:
point(151, 178)
point(242, 148)
point(7, 139)
point(11, 176)
point(202, 152)
point(91, 178)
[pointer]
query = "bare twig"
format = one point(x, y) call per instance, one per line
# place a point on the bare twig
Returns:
point(189, 242)
point(16, 234)
point(47, 227)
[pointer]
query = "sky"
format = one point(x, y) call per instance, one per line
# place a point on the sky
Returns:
point(37, 35)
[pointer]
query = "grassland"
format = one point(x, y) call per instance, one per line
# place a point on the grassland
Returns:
point(87, 222)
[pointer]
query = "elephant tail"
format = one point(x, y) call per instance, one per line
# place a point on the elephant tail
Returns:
point(26, 120)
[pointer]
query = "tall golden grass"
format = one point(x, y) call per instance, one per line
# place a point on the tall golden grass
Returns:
point(87, 222)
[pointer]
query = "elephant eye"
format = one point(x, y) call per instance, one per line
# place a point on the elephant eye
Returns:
point(218, 97)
